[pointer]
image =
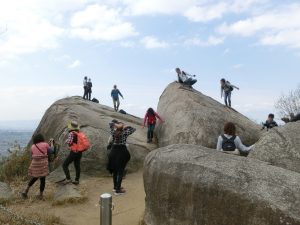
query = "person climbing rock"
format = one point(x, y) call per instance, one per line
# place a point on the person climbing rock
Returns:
point(89, 89)
point(226, 89)
point(150, 118)
point(85, 80)
point(270, 122)
point(77, 143)
point(119, 155)
point(38, 169)
point(185, 78)
point(115, 96)
point(229, 142)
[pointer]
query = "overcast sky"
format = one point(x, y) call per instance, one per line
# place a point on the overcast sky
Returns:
point(47, 46)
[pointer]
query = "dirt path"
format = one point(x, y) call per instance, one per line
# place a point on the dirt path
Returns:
point(129, 208)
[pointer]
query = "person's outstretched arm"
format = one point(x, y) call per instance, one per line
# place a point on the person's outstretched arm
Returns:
point(234, 86)
point(240, 146)
point(120, 93)
point(219, 144)
point(145, 119)
point(222, 90)
point(161, 120)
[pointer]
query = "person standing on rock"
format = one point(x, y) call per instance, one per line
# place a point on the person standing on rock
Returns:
point(38, 168)
point(85, 80)
point(115, 96)
point(185, 78)
point(78, 143)
point(229, 142)
point(89, 89)
point(150, 118)
point(119, 155)
point(226, 89)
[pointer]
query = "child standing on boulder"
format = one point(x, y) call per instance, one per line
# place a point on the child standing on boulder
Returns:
point(119, 155)
point(39, 164)
point(229, 142)
point(150, 118)
point(226, 89)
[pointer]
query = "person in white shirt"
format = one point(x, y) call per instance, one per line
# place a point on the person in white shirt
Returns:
point(85, 93)
point(185, 78)
point(226, 89)
point(229, 142)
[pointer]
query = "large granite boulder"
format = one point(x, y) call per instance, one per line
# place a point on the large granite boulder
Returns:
point(280, 146)
point(193, 118)
point(187, 184)
point(94, 119)
point(5, 192)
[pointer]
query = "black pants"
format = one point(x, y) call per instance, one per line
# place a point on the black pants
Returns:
point(118, 177)
point(73, 157)
point(89, 94)
point(85, 93)
point(42, 182)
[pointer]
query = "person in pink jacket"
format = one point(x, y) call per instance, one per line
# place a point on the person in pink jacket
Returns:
point(38, 169)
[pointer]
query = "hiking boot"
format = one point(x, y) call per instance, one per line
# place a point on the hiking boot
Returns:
point(114, 189)
point(66, 181)
point(40, 197)
point(120, 192)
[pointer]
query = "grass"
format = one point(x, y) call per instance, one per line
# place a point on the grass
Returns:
point(14, 166)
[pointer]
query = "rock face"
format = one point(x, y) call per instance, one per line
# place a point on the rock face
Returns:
point(5, 192)
point(94, 119)
point(280, 147)
point(190, 185)
point(67, 193)
point(193, 118)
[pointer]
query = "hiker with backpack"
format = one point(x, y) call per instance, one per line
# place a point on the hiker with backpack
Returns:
point(270, 122)
point(115, 96)
point(185, 78)
point(85, 81)
point(229, 142)
point(226, 90)
point(89, 89)
point(38, 169)
point(77, 143)
point(150, 118)
point(119, 155)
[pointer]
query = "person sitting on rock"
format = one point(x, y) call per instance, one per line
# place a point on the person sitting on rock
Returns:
point(229, 142)
point(119, 155)
point(270, 122)
point(38, 168)
point(150, 118)
point(293, 118)
point(185, 78)
point(226, 89)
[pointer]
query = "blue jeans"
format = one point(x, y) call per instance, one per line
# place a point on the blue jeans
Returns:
point(227, 97)
point(150, 133)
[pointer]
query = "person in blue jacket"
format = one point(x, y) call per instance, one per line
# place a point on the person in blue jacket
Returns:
point(115, 96)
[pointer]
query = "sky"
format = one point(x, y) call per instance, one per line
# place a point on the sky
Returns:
point(48, 46)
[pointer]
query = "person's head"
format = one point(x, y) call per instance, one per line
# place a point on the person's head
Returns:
point(89, 80)
point(222, 81)
point(271, 117)
point(85, 77)
point(115, 86)
point(73, 126)
point(178, 71)
point(150, 111)
point(229, 128)
point(38, 138)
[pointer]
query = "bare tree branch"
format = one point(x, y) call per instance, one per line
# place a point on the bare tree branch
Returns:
point(289, 103)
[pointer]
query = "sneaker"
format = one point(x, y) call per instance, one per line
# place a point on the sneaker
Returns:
point(76, 182)
point(120, 192)
point(114, 189)
point(66, 182)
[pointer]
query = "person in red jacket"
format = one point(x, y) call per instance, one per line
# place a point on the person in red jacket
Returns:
point(150, 118)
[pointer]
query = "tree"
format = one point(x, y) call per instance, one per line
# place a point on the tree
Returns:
point(288, 103)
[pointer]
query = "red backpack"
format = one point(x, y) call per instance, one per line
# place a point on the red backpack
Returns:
point(82, 144)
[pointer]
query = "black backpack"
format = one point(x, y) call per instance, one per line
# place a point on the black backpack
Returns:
point(228, 143)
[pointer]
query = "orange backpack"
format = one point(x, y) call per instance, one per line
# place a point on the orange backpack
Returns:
point(82, 144)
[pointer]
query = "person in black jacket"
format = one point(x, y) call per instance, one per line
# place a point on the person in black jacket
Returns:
point(89, 89)
point(270, 122)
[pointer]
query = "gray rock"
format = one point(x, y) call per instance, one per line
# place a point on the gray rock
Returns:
point(94, 119)
point(280, 147)
point(5, 192)
point(193, 118)
point(67, 194)
point(190, 185)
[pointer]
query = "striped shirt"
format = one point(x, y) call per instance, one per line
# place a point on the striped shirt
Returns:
point(121, 140)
